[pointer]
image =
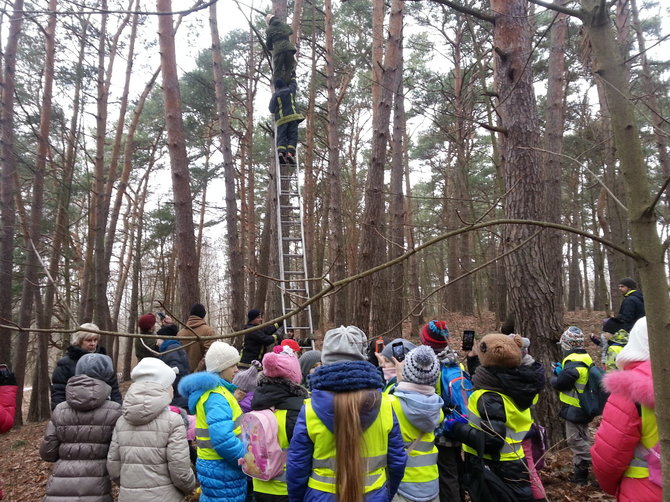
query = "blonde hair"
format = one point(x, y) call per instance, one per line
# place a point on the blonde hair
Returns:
point(80, 336)
point(351, 468)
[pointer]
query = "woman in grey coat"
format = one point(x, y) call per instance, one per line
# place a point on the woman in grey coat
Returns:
point(78, 435)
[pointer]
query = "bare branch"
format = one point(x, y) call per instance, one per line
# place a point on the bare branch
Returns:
point(558, 8)
point(466, 10)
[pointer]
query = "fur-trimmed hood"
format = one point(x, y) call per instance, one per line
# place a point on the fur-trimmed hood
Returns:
point(196, 384)
point(635, 383)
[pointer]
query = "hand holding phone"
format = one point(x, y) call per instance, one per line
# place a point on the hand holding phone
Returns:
point(468, 340)
point(398, 350)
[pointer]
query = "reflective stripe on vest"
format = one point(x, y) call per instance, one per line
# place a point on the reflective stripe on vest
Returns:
point(421, 464)
point(202, 437)
point(277, 485)
point(571, 396)
point(638, 467)
point(374, 449)
point(517, 425)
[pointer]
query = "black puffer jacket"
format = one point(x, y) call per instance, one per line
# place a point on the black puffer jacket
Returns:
point(257, 342)
point(65, 369)
point(77, 439)
point(281, 394)
point(521, 385)
point(564, 382)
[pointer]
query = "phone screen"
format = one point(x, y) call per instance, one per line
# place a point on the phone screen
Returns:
point(468, 339)
point(398, 351)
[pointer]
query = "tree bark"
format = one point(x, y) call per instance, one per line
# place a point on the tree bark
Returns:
point(235, 263)
point(532, 297)
point(187, 265)
point(7, 182)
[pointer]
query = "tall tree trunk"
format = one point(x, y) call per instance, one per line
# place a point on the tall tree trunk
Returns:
point(335, 225)
point(7, 182)
point(373, 251)
point(531, 294)
point(235, 263)
point(610, 67)
point(187, 265)
point(553, 143)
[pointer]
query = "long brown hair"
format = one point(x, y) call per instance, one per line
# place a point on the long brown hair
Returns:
point(351, 467)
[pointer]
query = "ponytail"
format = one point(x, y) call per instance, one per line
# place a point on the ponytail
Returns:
point(351, 467)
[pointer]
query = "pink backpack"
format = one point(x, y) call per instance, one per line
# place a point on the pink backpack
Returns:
point(264, 459)
point(653, 458)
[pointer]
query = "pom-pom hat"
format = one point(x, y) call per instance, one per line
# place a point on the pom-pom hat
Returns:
point(421, 366)
point(435, 334)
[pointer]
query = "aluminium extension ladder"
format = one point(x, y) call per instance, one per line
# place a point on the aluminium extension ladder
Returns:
point(294, 284)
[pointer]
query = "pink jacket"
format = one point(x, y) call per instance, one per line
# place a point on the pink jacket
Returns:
point(619, 434)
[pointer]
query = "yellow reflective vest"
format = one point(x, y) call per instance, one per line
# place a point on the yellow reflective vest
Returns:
point(571, 396)
point(517, 425)
point(276, 485)
point(374, 449)
point(421, 464)
point(202, 437)
point(638, 467)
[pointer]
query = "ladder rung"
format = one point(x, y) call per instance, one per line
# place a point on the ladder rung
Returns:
point(287, 255)
point(295, 290)
point(294, 272)
point(300, 328)
point(291, 238)
point(290, 222)
point(288, 207)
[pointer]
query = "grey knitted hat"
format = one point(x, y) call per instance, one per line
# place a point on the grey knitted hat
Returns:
point(307, 362)
point(246, 380)
point(344, 344)
point(388, 349)
point(421, 366)
point(96, 366)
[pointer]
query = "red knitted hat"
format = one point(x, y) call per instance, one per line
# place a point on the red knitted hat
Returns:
point(435, 334)
point(292, 344)
point(147, 322)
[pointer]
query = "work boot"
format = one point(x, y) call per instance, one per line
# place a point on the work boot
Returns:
point(581, 474)
point(290, 158)
point(282, 159)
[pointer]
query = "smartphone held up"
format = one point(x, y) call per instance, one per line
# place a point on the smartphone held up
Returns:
point(468, 340)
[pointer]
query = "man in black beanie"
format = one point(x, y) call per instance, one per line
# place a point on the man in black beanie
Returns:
point(196, 352)
point(257, 343)
point(632, 308)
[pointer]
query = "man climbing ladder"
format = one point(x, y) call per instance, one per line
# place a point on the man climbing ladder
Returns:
point(287, 118)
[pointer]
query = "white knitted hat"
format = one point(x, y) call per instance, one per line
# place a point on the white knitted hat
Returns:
point(151, 369)
point(221, 356)
point(637, 348)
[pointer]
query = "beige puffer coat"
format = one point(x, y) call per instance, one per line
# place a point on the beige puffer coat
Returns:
point(149, 453)
point(77, 439)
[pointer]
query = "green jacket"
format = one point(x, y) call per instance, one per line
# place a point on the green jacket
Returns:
point(277, 39)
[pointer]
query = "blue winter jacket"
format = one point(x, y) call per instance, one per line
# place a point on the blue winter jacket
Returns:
point(301, 449)
point(220, 480)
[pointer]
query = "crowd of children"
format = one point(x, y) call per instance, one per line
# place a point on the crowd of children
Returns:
point(416, 428)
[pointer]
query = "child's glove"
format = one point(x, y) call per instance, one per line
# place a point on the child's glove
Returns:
point(556, 368)
point(595, 338)
point(449, 423)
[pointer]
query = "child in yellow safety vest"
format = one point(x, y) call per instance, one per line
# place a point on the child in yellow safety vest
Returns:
point(419, 412)
point(499, 414)
point(211, 397)
point(346, 443)
point(279, 390)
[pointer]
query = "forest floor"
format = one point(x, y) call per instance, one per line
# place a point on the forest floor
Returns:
point(24, 475)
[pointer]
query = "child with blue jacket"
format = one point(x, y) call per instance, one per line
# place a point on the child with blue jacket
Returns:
point(210, 396)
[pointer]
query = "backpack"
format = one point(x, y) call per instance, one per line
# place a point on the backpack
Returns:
point(264, 459)
point(592, 400)
point(481, 483)
point(653, 458)
point(456, 390)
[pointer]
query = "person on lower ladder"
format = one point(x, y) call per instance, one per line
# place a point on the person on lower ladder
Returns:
point(287, 118)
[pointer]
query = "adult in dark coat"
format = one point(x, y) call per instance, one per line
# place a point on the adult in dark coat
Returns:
point(258, 342)
point(176, 359)
point(632, 308)
point(283, 50)
point(83, 342)
point(287, 118)
point(77, 437)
